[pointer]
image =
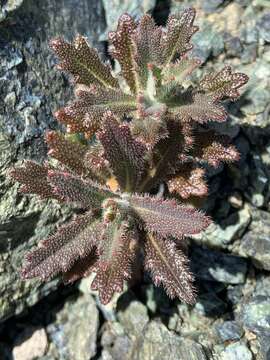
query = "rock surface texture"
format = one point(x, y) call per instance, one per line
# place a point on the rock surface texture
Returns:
point(231, 260)
point(30, 90)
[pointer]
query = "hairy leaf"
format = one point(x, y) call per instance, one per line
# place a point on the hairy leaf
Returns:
point(180, 70)
point(213, 149)
point(74, 124)
point(179, 31)
point(200, 108)
point(85, 114)
point(83, 62)
point(146, 38)
point(123, 49)
point(58, 253)
point(96, 163)
point(125, 154)
point(167, 218)
point(83, 267)
point(189, 182)
point(166, 154)
point(68, 152)
point(117, 255)
point(169, 267)
point(149, 130)
point(33, 178)
point(70, 188)
point(224, 84)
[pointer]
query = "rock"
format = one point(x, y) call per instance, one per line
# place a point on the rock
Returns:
point(262, 285)
point(216, 266)
point(211, 5)
point(31, 89)
point(115, 342)
point(263, 25)
point(209, 304)
point(227, 20)
point(256, 242)
point(236, 351)
point(74, 332)
point(115, 8)
point(249, 53)
point(156, 342)
point(233, 46)
point(255, 315)
point(258, 100)
point(235, 294)
point(8, 7)
point(206, 42)
point(229, 330)
point(156, 299)
point(229, 229)
point(132, 315)
point(31, 344)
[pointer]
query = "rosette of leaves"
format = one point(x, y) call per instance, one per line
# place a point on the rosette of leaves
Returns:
point(128, 132)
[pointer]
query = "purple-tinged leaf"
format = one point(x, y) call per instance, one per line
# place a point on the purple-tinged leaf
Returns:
point(200, 108)
point(167, 217)
point(149, 130)
point(58, 253)
point(83, 267)
point(213, 149)
point(169, 267)
point(96, 163)
point(73, 123)
point(125, 154)
point(33, 178)
point(189, 182)
point(85, 114)
point(223, 84)
point(67, 152)
point(123, 49)
point(70, 188)
point(117, 253)
point(179, 31)
point(83, 62)
point(146, 38)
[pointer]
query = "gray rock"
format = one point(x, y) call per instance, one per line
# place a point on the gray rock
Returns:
point(235, 294)
point(256, 242)
point(263, 26)
point(229, 330)
point(258, 98)
point(216, 266)
point(156, 342)
point(220, 235)
point(249, 53)
point(255, 315)
point(8, 7)
point(31, 344)
point(236, 351)
point(233, 46)
point(211, 5)
point(210, 305)
point(115, 8)
point(30, 90)
point(206, 42)
point(132, 315)
point(74, 332)
point(115, 342)
point(262, 285)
